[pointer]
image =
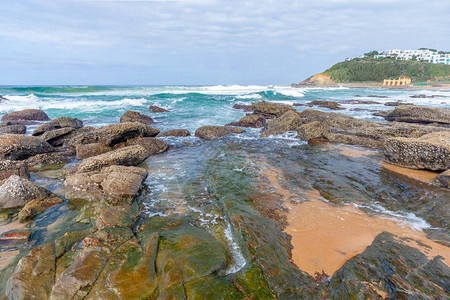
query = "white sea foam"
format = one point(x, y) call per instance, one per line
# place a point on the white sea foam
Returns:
point(406, 218)
point(239, 261)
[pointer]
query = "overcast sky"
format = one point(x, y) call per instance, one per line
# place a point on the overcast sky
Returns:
point(204, 41)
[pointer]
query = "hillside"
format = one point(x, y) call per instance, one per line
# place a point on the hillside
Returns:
point(375, 70)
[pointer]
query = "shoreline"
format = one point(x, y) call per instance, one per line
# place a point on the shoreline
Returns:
point(437, 86)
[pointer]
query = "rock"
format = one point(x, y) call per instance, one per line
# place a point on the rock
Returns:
point(134, 116)
point(185, 254)
point(17, 191)
point(313, 130)
point(397, 103)
point(157, 109)
point(211, 132)
point(26, 115)
point(9, 168)
point(76, 281)
point(89, 150)
point(49, 160)
point(19, 147)
point(431, 151)
point(36, 206)
point(419, 114)
point(152, 145)
point(326, 104)
point(8, 128)
point(118, 216)
point(253, 121)
point(443, 179)
point(359, 101)
point(127, 156)
point(336, 120)
point(3, 98)
point(121, 272)
point(118, 133)
point(34, 275)
point(58, 123)
point(377, 96)
point(117, 183)
point(289, 121)
point(244, 107)
point(317, 80)
point(174, 132)
point(271, 110)
point(57, 137)
point(391, 269)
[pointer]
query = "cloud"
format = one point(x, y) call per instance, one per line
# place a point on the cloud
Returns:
point(232, 41)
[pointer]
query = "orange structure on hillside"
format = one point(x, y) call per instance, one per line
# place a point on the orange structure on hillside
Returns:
point(402, 80)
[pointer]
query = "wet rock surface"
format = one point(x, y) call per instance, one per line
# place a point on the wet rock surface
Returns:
point(134, 116)
point(211, 132)
point(244, 107)
point(26, 115)
point(443, 179)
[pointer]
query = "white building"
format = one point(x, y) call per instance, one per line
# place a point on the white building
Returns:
point(426, 55)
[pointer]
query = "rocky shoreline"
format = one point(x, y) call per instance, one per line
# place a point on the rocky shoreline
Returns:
point(108, 251)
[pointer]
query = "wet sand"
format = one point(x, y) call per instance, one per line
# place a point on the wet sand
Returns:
point(325, 236)
point(352, 151)
point(421, 175)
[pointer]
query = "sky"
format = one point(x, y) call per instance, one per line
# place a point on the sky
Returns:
point(204, 42)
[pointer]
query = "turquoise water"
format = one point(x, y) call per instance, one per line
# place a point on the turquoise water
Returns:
point(191, 106)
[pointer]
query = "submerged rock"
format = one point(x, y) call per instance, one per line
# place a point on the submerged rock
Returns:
point(19, 147)
point(127, 156)
point(38, 205)
point(397, 103)
point(211, 132)
point(174, 132)
point(17, 191)
point(271, 110)
point(157, 109)
point(26, 115)
point(62, 122)
point(134, 116)
point(418, 114)
point(289, 121)
point(431, 151)
point(443, 179)
point(253, 121)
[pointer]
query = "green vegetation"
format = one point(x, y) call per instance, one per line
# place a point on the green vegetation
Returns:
point(375, 70)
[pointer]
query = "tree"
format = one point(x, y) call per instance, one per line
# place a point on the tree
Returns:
point(371, 53)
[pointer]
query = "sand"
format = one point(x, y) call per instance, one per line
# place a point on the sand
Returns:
point(325, 236)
